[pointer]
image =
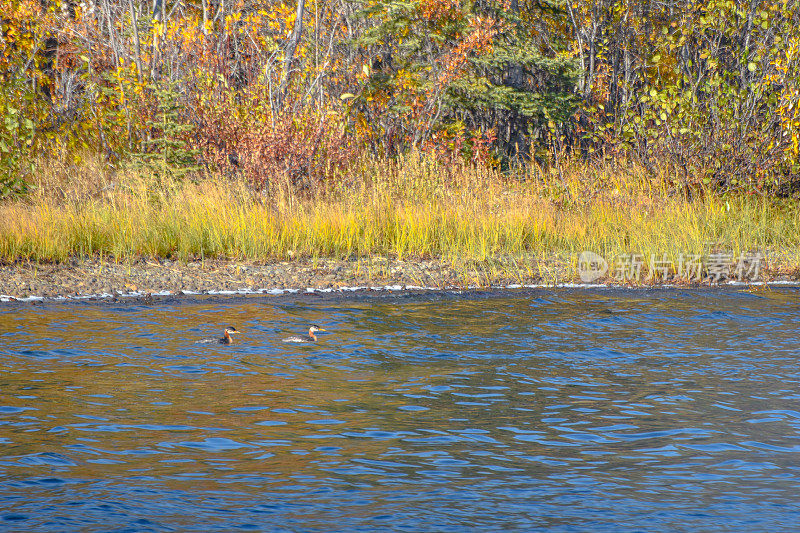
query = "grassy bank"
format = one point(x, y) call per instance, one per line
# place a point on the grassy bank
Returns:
point(412, 208)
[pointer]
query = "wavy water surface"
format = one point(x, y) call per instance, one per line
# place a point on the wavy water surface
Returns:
point(563, 410)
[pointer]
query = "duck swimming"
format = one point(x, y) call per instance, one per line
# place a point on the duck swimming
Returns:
point(305, 338)
point(227, 339)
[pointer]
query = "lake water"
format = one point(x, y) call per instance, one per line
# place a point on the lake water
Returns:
point(584, 410)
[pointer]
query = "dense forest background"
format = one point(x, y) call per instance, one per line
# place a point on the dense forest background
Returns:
point(704, 92)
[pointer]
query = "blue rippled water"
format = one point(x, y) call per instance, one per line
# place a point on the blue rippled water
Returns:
point(584, 410)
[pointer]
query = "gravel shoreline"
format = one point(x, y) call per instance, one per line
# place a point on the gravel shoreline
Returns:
point(95, 277)
point(143, 277)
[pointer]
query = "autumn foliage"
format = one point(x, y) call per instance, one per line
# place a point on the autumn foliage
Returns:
point(298, 92)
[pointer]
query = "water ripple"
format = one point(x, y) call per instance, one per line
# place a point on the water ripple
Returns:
point(606, 410)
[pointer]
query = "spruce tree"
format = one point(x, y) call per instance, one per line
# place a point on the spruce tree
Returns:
point(166, 152)
point(520, 88)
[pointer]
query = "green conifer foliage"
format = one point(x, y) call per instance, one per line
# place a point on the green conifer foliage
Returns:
point(515, 88)
point(522, 89)
point(167, 151)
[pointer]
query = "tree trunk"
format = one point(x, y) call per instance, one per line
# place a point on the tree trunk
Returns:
point(135, 24)
point(291, 46)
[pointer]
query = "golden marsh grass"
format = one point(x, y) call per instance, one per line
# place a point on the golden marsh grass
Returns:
point(409, 208)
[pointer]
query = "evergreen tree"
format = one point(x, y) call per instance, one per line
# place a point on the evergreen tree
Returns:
point(517, 85)
point(522, 91)
point(167, 152)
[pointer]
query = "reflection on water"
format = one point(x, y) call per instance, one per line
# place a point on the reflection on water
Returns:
point(606, 410)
